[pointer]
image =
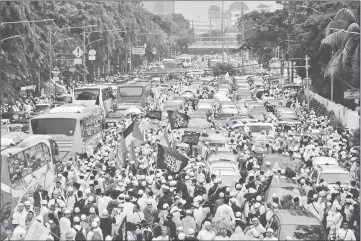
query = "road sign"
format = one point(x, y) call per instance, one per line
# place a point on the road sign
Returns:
point(138, 50)
point(56, 71)
point(154, 50)
point(307, 81)
point(78, 61)
point(92, 52)
point(56, 78)
point(91, 57)
point(351, 94)
point(78, 52)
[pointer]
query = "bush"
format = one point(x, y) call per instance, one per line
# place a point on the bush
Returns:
point(355, 139)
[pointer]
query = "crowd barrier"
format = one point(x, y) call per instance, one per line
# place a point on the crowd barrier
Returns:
point(349, 118)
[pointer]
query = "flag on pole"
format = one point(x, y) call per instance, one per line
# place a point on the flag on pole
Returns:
point(133, 134)
point(170, 159)
point(177, 120)
point(37, 231)
point(154, 114)
point(121, 151)
point(132, 156)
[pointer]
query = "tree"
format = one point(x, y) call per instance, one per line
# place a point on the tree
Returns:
point(345, 63)
point(223, 68)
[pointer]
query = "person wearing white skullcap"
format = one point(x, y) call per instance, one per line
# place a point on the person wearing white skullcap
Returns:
point(206, 233)
point(18, 231)
point(188, 222)
point(345, 233)
point(77, 228)
point(94, 234)
point(224, 212)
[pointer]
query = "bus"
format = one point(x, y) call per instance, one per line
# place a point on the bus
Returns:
point(96, 95)
point(11, 139)
point(23, 167)
point(128, 95)
point(76, 128)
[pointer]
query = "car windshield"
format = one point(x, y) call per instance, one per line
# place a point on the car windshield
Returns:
point(53, 126)
point(303, 232)
point(224, 171)
point(41, 107)
point(332, 178)
point(224, 116)
point(86, 94)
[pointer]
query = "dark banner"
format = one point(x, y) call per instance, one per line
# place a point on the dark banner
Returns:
point(191, 139)
point(170, 159)
point(154, 114)
point(177, 120)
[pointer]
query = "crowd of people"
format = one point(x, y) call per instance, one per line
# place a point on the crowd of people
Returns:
point(95, 198)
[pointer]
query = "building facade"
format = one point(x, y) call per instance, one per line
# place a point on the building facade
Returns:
point(163, 8)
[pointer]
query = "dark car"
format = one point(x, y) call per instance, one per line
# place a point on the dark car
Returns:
point(297, 225)
point(41, 109)
point(282, 187)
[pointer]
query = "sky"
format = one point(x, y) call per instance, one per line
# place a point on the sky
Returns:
point(199, 9)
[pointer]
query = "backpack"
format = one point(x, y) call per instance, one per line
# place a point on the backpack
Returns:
point(97, 236)
point(79, 235)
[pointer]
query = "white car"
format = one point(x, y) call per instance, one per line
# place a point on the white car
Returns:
point(331, 174)
point(324, 160)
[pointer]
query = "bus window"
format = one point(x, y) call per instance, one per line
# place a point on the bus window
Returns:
point(86, 94)
point(46, 153)
point(53, 126)
point(35, 158)
point(107, 94)
point(17, 165)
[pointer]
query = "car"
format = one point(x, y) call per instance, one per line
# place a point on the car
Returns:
point(296, 224)
point(204, 106)
point(230, 110)
point(330, 174)
point(41, 109)
point(282, 187)
point(324, 160)
point(225, 166)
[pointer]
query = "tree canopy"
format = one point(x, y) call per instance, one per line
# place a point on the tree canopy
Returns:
point(26, 59)
point(315, 29)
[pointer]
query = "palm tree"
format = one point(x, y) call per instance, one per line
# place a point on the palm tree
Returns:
point(343, 36)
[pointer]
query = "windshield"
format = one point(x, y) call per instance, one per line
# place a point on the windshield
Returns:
point(134, 91)
point(41, 107)
point(224, 116)
point(7, 115)
point(259, 128)
point(86, 94)
point(54, 126)
point(332, 178)
point(303, 232)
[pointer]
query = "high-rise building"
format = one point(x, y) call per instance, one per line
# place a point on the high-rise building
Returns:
point(236, 9)
point(215, 17)
point(164, 7)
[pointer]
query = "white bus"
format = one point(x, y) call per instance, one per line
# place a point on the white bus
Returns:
point(185, 60)
point(95, 95)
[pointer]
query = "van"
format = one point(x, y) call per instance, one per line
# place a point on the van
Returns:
point(257, 128)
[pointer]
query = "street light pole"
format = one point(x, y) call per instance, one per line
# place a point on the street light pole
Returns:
point(242, 26)
point(222, 28)
point(308, 85)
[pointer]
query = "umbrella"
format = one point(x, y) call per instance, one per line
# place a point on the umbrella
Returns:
point(199, 122)
point(133, 110)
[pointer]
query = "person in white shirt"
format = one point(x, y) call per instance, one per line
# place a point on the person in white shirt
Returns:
point(19, 233)
point(136, 216)
point(269, 235)
point(225, 212)
point(206, 233)
point(77, 227)
point(223, 234)
point(20, 215)
point(65, 224)
point(344, 233)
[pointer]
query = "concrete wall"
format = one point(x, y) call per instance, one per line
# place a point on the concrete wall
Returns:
point(349, 118)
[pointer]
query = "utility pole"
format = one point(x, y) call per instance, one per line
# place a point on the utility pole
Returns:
point(308, 85)
point(288, 56)
point(222, 28)
point(242, 26)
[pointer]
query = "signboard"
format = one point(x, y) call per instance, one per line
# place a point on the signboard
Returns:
point(72, 69)
point(78, 52)
point(78, 61)
point(92, 52)
point(307, 81)
point(351, 94)
point(138, 50)
point(91, 57)
point(56, 71)
point(191, 139)
point(37, 231)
